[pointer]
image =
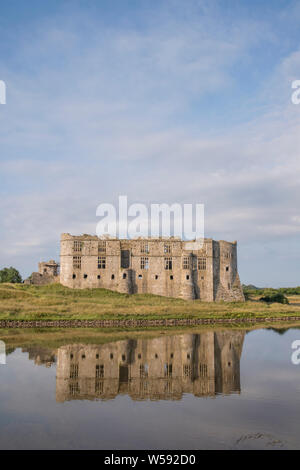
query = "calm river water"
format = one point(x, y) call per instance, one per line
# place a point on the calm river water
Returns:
point(196, 389)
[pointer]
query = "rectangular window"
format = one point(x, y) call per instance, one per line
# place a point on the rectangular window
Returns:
point(187, 371)
point(168, 370)
point(101, 262)
point(77, 246)
point(99, 387)
point(145, 247)
point(201, 264)
point(203, 370)
point(74, 371)
point(144, 263)
point(168, 263)
point(77, 262)
point(74, 389)
point(167, 248)
point(143, 370)
point(125, 258)
point(101, 246)
point(99, 371)
point(186, 262)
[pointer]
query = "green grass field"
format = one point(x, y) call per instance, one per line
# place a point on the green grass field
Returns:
point(55, 302)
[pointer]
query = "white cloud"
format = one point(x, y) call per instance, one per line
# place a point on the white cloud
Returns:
point(90, 118)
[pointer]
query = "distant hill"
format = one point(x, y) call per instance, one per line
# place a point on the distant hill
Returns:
point(251, 287)
point(254, 290)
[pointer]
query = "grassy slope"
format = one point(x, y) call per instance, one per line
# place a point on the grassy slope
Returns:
point(52, 302)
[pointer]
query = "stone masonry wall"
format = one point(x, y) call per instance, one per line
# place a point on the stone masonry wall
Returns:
point(164, 267)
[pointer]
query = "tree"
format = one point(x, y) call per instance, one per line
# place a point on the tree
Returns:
point(10, 275)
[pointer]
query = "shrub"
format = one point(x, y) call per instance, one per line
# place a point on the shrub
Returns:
point(277, 297)
point(10, 275)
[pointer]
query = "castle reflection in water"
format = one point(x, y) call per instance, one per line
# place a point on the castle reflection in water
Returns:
point(163, 368)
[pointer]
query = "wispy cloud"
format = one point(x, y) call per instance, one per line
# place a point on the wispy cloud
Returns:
point(173, 108)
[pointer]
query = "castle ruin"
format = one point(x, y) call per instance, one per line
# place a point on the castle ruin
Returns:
point(166, 267)
point(48, 273)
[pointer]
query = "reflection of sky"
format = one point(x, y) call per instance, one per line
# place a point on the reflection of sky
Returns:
point(262, 416)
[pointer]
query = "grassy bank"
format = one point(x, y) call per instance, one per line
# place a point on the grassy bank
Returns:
point(55, 302)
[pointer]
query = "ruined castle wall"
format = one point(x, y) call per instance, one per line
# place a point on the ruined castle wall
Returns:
point(228, 285)
point(49, 267)
point(156, 279)
point(87, 275)
point(203, 278)
point(166, 267)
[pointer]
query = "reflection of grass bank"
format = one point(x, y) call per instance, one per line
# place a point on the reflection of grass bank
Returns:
point(55, 302)
point(54, 338)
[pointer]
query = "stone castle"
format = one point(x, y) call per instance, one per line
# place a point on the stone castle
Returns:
point(166, 267)
point(162, 368)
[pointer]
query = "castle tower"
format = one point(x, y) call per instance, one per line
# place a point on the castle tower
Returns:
point(187, 278)
point(49, 267)
point(228, 286)
point(125, 281)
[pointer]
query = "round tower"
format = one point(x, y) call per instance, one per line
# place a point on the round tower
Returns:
point(125, 281)
point(187, 278)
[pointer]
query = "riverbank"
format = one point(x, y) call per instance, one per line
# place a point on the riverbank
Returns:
point(144, 323)
point(55, 305)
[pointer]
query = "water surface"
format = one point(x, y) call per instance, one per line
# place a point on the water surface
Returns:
point(198, 389)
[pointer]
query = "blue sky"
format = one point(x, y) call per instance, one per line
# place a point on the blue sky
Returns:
point(164, 101)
